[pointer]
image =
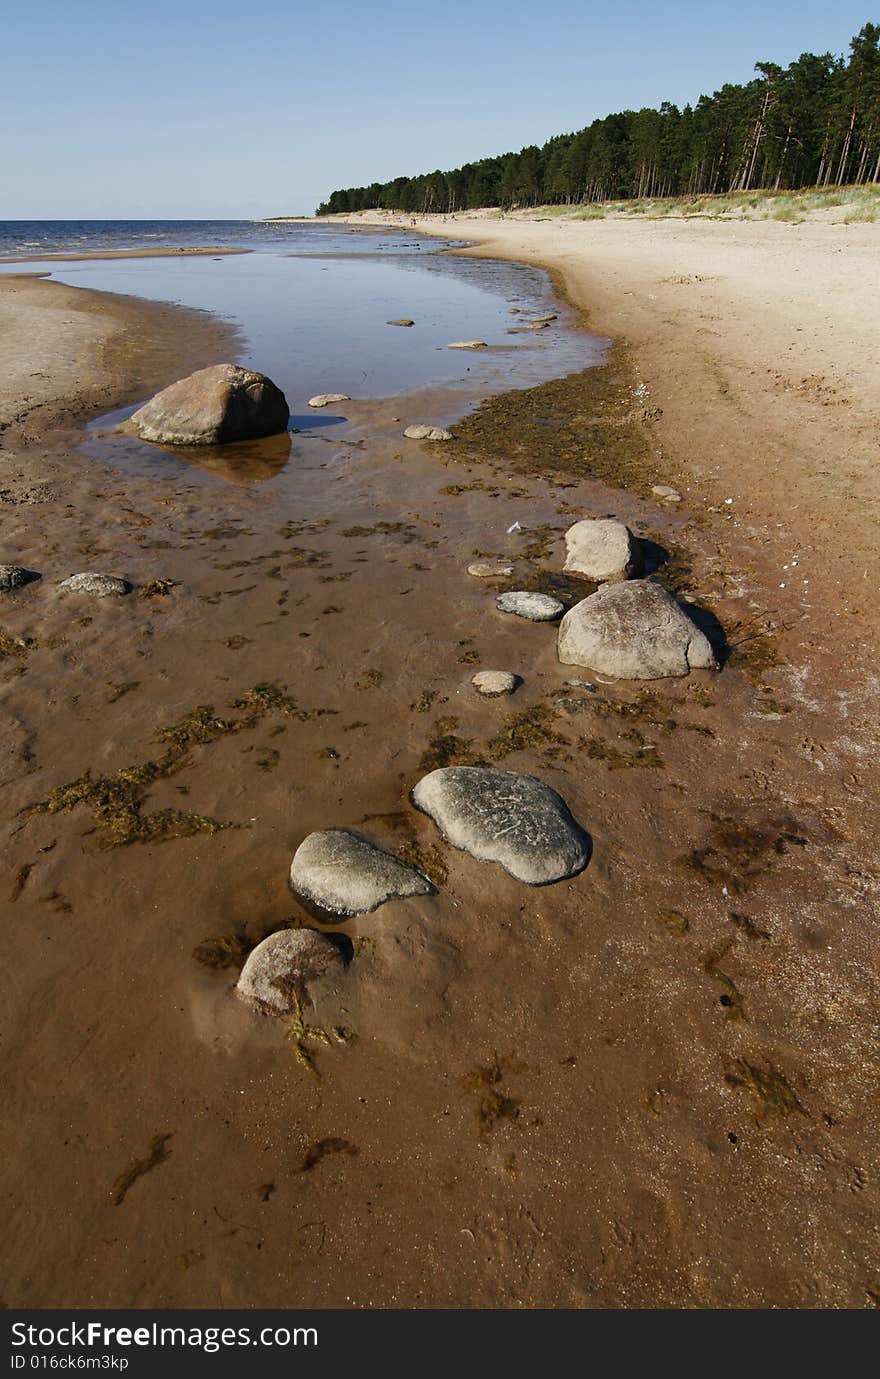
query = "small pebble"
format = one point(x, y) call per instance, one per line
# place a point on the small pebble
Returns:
point(493, 683)
point(489, 570)
point(525, 604)
point(15, 576)
point(100, 586)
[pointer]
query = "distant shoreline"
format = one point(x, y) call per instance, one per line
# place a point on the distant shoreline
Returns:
point(182, 252)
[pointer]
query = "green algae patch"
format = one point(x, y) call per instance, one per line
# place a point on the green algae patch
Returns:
point(738, 852)
point(531, 730)
point(585, 425)
point(731, 997)
point(222, 951)
point(674, 921)
point(19, 647)
point(117, 801)
point(158, 1153)
point(616, 759)
point(494, 1105)
point(448, 750)
point(770, 1090)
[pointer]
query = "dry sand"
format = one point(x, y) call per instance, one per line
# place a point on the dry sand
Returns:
point(652, 1086)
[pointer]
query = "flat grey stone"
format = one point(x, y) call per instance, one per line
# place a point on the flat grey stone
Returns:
point(280, 968)
point(633, 631)
point(325, 399)
point(212, 407)
point(535, 607)
point(489, 569)
point(602, 549)
point(502, 816)
point(669, 495)
point(492, 683)
point(345, 874)
point(427, 433)
point(16, 576)
point(467, 345)
point(404, 321)
point(98, 586)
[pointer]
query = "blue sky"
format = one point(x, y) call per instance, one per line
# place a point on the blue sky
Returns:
point(211, 108)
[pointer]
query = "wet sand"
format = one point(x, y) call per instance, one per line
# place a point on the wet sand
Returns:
point(653, 1085)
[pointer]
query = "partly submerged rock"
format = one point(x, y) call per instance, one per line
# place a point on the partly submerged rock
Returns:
point(535, 607)
point(325, 399)
point(345, 874)
point(633, 631)
point(16, 576)
point(213, 406)
point(492, 683)
point(281, 967)
point(468, 345)
point(669, 495)
point(427, 433)
point(505, 817)
point(404, 321)
point(602, 549)
point(98, 586)
point(489, 569)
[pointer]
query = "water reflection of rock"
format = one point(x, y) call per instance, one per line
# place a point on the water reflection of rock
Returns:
point(240, 462)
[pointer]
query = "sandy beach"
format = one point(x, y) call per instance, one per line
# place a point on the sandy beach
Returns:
point(652, 1085)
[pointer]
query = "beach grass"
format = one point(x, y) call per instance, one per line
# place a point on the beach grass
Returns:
point(861, 204)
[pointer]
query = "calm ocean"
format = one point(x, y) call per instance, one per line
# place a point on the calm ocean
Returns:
point(312, 301)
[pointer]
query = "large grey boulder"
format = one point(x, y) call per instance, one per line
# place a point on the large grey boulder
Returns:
point(282, 966)
point(525, 604)
point(213, 406)
point(501, 816)
point(602, 549)
point(345, 874)
point(633, 631)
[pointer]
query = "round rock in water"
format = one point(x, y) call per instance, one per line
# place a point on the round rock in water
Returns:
point(633, 631)
point(490, 569)
point(467, 345)
point(16, 576)
point(346, 874)
point(404, 321)
point(669, 495)
point(602, 549)
point(504, 817)
point(98, 586)
point(214, 406)
point(427, 433)
point(325, 399)
point(535, 607)
point(281, 967)
point(492, 683)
